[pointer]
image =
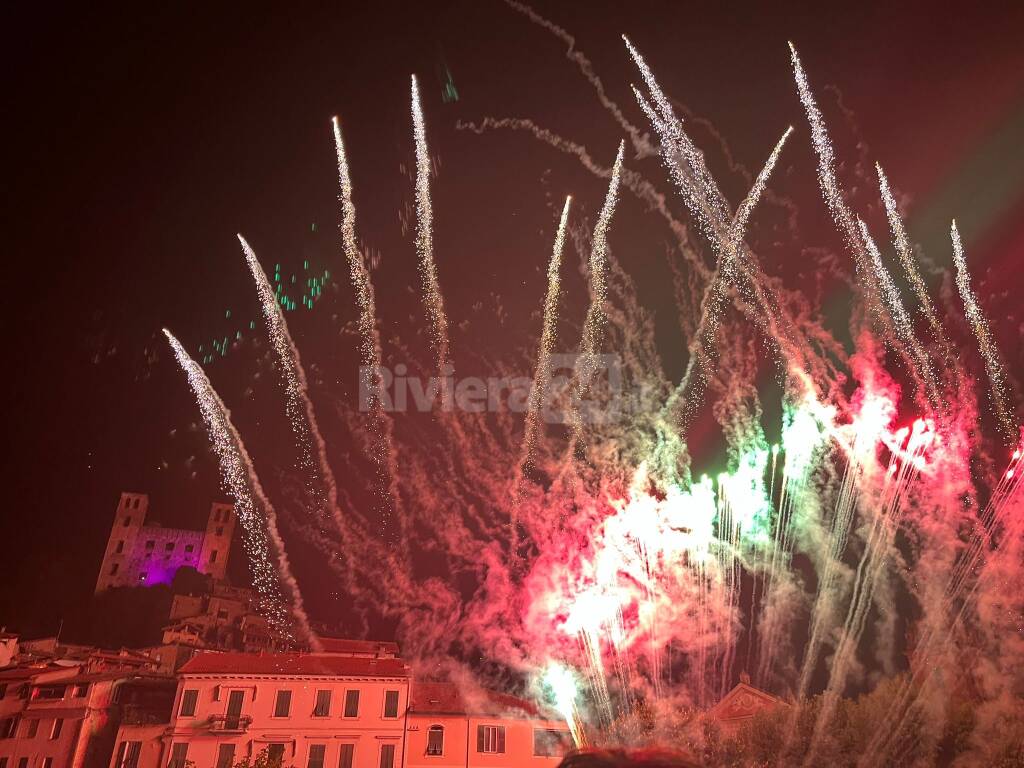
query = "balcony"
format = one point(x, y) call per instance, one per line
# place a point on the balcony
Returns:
point(230, 723)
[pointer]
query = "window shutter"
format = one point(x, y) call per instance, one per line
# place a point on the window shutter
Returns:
point(479, 738)
point(501, 738)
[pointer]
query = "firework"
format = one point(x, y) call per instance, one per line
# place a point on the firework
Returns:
point(987, 347)
point(432, 297)
point(640, 581)
point(263, 542)
point(298, 406)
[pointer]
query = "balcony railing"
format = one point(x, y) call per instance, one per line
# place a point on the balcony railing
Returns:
point(230, 723)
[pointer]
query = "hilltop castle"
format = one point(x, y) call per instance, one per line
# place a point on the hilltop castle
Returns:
point(138, 554)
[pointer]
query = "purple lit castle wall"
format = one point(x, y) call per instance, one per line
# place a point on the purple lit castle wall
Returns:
point(138, 554)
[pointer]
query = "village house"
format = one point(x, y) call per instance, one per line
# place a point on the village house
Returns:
point(448, 729)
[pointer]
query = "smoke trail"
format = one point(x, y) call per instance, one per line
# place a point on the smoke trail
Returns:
point(298, 406)
point(542, 376)
point(643, 189)
point(432, 296)
point(640, 143)
point(987, 347)
point(263, 541)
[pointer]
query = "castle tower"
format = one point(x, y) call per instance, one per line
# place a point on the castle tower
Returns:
point(213, 558)
point(116, 569)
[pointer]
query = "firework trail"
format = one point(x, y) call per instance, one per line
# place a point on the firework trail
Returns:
point(907, 259)
point(259, 522)
point(432, 296)
point(979, 325)
point(595, 319)
point(370, 347)
point(902, 324)
point(680, 404)
point(298, 406)
point(369, 338)
point(542, 376)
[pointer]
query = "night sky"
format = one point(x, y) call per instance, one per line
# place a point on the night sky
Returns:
point(140, 141)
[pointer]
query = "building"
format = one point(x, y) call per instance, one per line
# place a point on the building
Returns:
point(448, 729)
point(60, 717)
point(740, 705)
point(138, 554)
point(308, 709)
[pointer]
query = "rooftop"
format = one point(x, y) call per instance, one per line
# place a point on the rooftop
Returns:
point(292, 665)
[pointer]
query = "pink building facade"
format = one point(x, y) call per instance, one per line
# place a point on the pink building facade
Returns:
point(490, 730)
point(313, 710)
point(353, 706)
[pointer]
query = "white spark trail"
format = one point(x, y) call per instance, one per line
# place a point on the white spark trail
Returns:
point(370, 346)
point(989, 353)
point(432, 296)
point(906, 254)
point(263, 541)
point(298, 406)
point(542, 376)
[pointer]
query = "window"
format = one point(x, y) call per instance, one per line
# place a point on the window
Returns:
point(179, 754)
point(31, 728)
point(128, 754)
point(150, 544)
point(7, 728)
point(213, 556)
point(275, 754)
point(58, 726)
point(169, 546)
point(283, 704)
point(189, 547)
point(127, 522)
point(222, 613)
point(316, 755)
point(22, 762)
point(322, 708)
point(390, 703)
point(50, 692)
point(220, 530)
point(47, 762)
point(225, 756)
point(347, 760)
point(188, 702)
point(490, 738)
point(113, 569)
point(351, 704)
point(120, 547)
point(3, 762)
point(548, 742)
point(435, 740)
point(3, 690)
point(387, 756)
point(79, 690)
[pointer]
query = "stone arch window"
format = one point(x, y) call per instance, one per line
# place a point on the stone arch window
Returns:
point(435, 740)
